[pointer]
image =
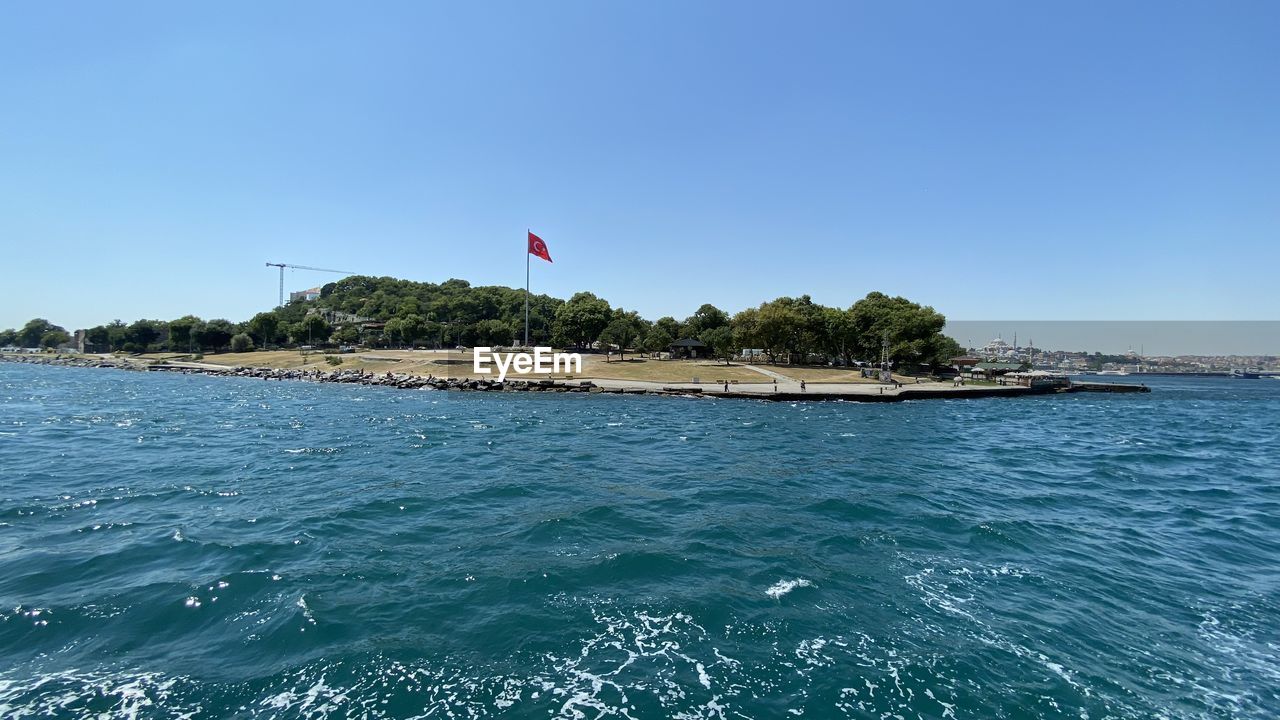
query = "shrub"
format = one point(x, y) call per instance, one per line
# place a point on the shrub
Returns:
point(241, 343)
point(333, 359)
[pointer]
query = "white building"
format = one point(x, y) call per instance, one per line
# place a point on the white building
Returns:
point(997, 348)
point(311, 294)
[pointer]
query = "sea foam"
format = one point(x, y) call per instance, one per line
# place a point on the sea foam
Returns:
point(782, 587)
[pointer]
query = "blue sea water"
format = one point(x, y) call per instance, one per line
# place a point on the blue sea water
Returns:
point(183, 546)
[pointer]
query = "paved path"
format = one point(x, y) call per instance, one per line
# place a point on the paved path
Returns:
point(792, 388)
point(190, 365)
point(776, 375)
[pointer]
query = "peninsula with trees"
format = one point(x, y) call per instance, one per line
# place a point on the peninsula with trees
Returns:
point(365, 327)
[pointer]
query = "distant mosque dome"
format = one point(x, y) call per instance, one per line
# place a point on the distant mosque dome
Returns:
point(997, 348)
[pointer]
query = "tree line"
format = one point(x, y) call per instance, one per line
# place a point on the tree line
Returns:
point(387, 312)
point(37, 333)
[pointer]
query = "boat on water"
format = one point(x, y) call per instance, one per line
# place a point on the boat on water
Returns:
point(1246, 374)
point(1113, 372)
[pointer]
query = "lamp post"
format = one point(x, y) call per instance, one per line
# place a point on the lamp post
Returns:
point(885, 375)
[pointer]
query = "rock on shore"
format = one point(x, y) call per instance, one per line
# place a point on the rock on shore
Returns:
point(352, 377)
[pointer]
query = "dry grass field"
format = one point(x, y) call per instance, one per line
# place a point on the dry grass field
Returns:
point(458, 364)
point(668, 370)
point(814, 374)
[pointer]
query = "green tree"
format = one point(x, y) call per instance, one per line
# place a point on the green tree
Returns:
point(54, 338)
point(117, 334)
point(265, 325)
point(841, 337)
point(914, 332)
point(316, 330)
point(296, 333)
point(721, 342)
point(707, 317)
point(393, 331)
point(98, 338)
point(454, 302)
point(657, 340)
point(746, 328)
point(347, 335)
point(215, 334)
point(408, 306)
point(671, 327)
point(414, 328)
point(183, 333)
point(241, 342)
point(493, 332)
point(141, 334)
point(8, 337)
point(292, 312)
point(945, 347)
point(812, 338)
point(31, 333)
point(580, 321)
point(623, 331)
point(790, 328)
point(779, 328)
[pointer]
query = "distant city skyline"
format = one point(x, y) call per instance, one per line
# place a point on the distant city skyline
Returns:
point(1150, 338)
point(1081, 161)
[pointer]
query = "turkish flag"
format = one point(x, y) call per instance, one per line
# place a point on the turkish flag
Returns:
point(539, 248)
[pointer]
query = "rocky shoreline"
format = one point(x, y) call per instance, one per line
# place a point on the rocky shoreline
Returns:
point(405, 381)
point(402, 381)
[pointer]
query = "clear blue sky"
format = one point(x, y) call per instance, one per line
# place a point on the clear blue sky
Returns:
point(1092, 160)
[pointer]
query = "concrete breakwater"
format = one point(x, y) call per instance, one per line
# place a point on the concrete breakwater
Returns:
point(407, 381)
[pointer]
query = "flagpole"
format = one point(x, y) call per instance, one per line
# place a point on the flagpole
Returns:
point(526, 293)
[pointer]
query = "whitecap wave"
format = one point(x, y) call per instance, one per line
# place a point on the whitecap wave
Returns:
point(782, 587)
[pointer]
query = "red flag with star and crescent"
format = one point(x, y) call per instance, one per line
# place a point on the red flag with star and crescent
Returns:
point(538, 247)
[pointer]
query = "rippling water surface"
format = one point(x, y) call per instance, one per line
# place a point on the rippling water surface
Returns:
point(175, 546)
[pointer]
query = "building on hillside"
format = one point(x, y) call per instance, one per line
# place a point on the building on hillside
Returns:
point(689, 348)
point(996, 368)
point(337, 317)
point(371, 330)
point(997, 349)
point(311, 294)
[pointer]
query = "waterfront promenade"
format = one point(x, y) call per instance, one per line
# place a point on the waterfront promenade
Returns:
point(445, 371)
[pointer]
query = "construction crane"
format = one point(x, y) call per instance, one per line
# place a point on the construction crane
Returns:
point(282, 266)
